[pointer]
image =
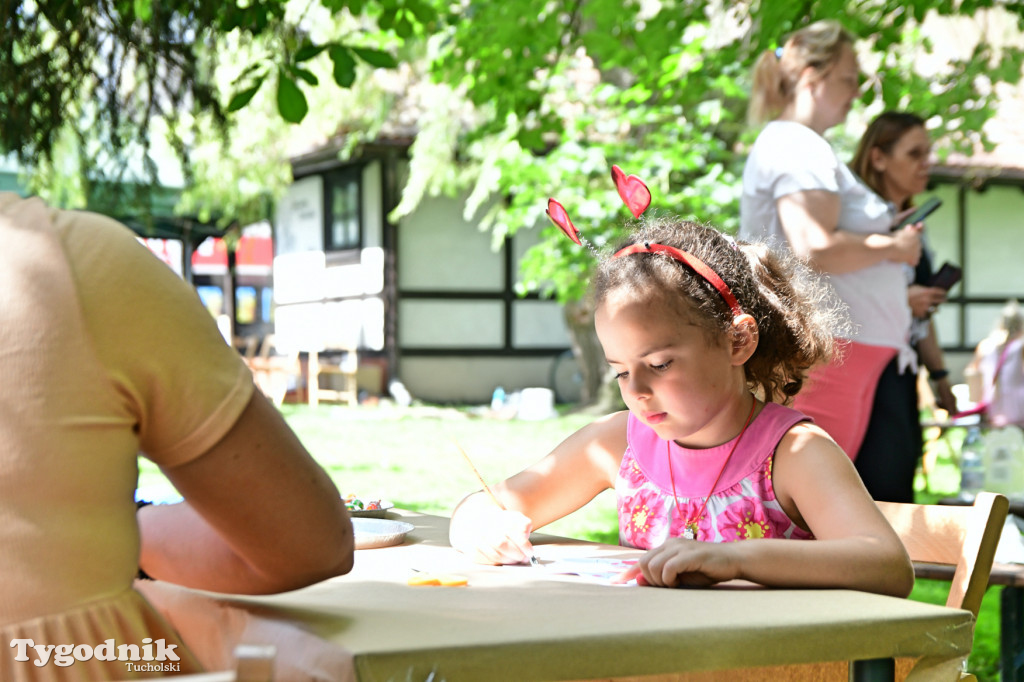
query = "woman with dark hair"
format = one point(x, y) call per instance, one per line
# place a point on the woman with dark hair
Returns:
point(893, 160)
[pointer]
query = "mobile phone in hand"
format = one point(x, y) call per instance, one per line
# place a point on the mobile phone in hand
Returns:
point(947, 276)
point(921, 213)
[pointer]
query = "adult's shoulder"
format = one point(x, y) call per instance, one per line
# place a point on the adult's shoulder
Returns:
point(789, 157)
point(88, 231)
point(784, 136)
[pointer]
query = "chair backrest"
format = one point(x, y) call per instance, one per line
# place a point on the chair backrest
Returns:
point(961, 536)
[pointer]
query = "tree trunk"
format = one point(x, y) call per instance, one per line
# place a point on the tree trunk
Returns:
point(600, 393)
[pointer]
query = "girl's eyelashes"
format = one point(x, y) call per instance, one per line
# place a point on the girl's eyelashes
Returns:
point(657, 368)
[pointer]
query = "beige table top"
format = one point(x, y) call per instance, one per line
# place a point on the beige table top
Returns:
point(538, 626)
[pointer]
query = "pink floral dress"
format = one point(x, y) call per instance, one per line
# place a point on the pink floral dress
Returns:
point(742, 506)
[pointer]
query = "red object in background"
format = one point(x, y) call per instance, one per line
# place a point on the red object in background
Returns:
point(210, 257)
point(254, 255)
point(167, 250)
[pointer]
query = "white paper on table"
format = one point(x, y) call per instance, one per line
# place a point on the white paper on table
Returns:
point(602, 570)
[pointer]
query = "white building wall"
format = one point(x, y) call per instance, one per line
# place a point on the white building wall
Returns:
point(439, 251)
point(472, 379)
point(325, 301)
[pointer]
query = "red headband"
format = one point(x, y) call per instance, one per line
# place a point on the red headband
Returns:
point(691, 261)
point(637, 198)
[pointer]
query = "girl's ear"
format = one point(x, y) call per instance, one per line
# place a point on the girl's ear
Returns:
point(744, 338)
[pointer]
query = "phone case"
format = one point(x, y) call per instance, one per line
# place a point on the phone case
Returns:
point(947, 276)
point(922, 212)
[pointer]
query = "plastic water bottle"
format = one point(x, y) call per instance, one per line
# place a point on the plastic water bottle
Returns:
point(1004, 461)
point(498, 398)
point(972, 465)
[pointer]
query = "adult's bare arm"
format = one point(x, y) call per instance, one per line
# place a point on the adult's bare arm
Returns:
point(810, 219)
point(930, 352)
point(260, 515)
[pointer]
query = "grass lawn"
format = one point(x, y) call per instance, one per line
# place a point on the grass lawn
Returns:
point(409, 456)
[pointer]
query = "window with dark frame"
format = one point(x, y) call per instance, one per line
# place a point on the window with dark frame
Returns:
point(342, 209)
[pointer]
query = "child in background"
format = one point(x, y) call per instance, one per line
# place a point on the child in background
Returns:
point(697, 328)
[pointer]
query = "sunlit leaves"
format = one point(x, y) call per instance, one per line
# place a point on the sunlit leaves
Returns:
point(308, 51)
point(344, 65)
point(290, 100)
point(143, 9)
point(377, 58)
point(674, 79)
point(303, 74)
point(240, 99)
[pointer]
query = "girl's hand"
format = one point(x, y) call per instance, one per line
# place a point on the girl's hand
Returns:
point(489, 535)
point(684, 563)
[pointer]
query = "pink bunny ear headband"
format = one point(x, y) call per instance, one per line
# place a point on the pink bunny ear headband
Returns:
point(637, 198)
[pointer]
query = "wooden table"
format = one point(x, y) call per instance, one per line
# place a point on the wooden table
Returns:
point(524, 623)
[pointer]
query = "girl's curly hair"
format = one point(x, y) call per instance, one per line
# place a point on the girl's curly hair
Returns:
point(798, 315)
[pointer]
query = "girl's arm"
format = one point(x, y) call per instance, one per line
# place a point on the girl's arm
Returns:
point(579, 468)
point(809, 219)
point(854, 546)
point(817, 485)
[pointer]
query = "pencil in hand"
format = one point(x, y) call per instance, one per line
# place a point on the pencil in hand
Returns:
point(487, 489)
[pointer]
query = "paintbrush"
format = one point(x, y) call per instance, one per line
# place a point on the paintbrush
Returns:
point(487, 488)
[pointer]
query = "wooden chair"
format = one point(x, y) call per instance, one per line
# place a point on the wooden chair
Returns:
point(964, 537)
point(345, 370)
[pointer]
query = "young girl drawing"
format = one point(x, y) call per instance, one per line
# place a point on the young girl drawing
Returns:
point(697, 327)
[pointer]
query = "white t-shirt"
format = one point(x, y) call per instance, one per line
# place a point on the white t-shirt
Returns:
point(789, 157)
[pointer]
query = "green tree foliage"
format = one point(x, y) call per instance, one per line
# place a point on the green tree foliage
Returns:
point(532, 98)
point(566, 88)
point(90, 85)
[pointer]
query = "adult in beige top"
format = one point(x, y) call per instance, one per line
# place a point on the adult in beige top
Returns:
point(105, 353)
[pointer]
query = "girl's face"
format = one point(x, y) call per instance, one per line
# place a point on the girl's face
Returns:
point(671, 378)
point(904, 170)
point(834, 93)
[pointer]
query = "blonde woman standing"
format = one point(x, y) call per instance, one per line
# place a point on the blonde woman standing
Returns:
point(797, 192)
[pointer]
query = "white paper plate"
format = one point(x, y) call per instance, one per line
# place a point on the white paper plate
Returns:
point(373, 533)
